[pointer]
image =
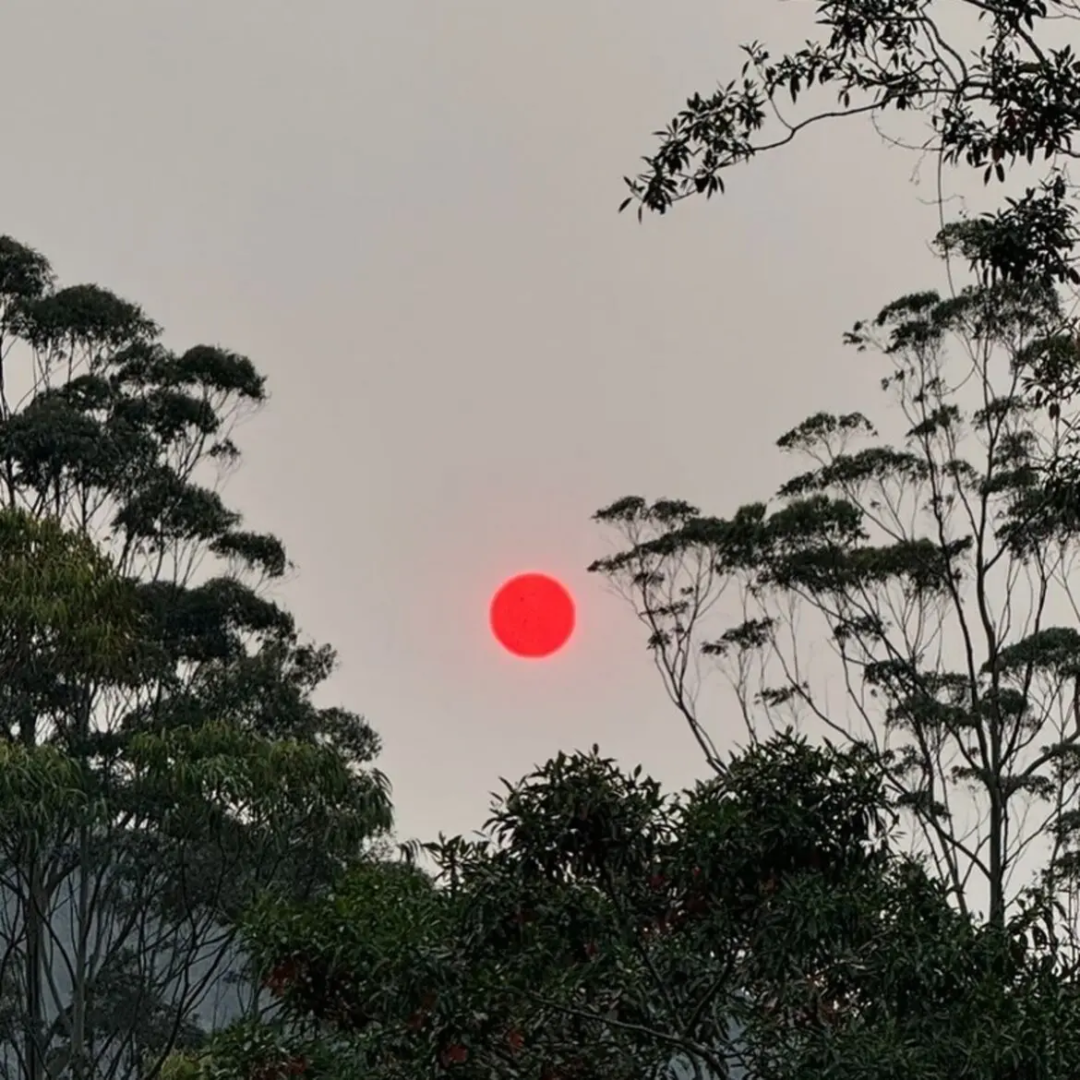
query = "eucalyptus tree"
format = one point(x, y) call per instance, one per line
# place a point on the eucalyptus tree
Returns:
point(63, 614)
point(915, 594)
point(206, 771)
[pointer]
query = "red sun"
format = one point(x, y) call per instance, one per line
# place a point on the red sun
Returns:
point(532, 615)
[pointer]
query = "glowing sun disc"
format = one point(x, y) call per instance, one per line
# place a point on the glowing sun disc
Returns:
point(532, 615)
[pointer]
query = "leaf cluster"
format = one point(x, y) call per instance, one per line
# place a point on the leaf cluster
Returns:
point(1010, 95)
point(598, 928)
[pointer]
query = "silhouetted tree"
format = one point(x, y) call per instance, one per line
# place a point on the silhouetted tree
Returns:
point(996, 83)
point(758, 925)
point(174, 786)
point(929, 576)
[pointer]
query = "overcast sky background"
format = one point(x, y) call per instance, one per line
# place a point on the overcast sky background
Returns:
point(404, 212)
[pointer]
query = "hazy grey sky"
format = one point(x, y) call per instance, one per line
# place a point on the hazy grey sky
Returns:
point(404, 212)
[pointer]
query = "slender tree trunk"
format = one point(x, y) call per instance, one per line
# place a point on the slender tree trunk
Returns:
point(998, 810)
point(79, 988)
point(35, 1056)
point(35, 931)
point(78, 995)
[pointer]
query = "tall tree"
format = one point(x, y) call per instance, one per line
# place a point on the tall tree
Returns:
point(63, 617)
point(996, 83)
point(206, 772)
point(911, 594)
point(759, 925)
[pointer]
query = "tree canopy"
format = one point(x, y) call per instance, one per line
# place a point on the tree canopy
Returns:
point(994, 83)
point(930, 577)
point(164, 760)
point(761, 923)
point(990, 99)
